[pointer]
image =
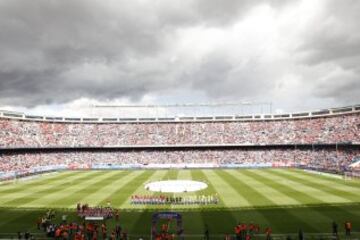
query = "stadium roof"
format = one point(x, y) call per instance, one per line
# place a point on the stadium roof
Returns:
point(235, 117)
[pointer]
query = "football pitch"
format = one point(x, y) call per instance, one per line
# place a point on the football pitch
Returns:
point(285, 199)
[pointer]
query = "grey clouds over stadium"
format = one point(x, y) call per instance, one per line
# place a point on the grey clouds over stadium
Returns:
point(297, 54)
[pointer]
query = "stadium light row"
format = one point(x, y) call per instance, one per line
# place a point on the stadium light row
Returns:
point(253, 117)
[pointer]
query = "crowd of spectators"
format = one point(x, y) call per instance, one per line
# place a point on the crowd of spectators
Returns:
point(329, 129)
point(318, 159)
point(34, 134)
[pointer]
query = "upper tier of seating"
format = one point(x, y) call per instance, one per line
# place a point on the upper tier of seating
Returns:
point(329, 128)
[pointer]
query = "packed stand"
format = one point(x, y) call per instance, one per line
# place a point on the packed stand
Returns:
point(332, 160)
point(329, 129)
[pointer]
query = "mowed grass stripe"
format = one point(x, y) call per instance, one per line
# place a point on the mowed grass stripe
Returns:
point(205, 176)
point(135, 223)
point(157, 175)
point(41, 181)
point(341, 189)
point(197, 216)
point(260, 199)
point(44, 185)
point(71, 200)
point(143, 218)
point(103, 195)
point(230, 196)
point(214, 188)
point(321, 191)
point(316, 195)
point(174, 175)
point(120, 194)
point(354, 183)
point(186, 174)
point(23, 198)
point(140, 190)
point(67, 189)
point(201, 176)
point(245, 189)
point(276, 197)
point(194, 177)
point(262, 215)
point(27, 214)
point(13, 220)
point(284, 186)
point(14, 185)
point(297, 177)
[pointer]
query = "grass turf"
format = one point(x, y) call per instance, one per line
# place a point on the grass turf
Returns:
point(285, 199)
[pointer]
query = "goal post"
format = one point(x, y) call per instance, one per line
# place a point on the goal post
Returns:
point(350, 175)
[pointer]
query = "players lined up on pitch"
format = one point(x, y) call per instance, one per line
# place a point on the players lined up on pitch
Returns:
point(166, 200)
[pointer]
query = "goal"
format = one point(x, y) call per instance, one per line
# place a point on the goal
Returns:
point(352, 175)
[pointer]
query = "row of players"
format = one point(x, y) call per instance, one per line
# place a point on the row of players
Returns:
point(165, 200)
point(331, 160)
point(334, 129)
point(84, 210)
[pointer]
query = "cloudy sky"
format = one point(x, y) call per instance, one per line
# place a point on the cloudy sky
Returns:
point(57, 56)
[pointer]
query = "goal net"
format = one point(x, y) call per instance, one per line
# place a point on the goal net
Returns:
point(350, 175)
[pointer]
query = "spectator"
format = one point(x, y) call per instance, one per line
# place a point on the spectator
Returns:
point(301, 234)
point(206, 233)
point(326, 129)
point(348, 227)
point(335, 229)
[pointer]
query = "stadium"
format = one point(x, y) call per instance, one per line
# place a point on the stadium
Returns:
point(288, 172)
point(177, 120)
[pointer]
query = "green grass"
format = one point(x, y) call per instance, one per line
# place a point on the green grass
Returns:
point(285, 199)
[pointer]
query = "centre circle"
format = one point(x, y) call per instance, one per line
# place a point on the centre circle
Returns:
point(175, 186)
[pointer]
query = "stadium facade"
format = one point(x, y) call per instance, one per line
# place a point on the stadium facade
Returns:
point(325, 140)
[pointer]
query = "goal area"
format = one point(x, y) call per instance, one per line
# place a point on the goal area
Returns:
point(350, 175)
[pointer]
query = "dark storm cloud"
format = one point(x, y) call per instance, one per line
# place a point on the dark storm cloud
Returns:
point(42, 41)
point(59, 51)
